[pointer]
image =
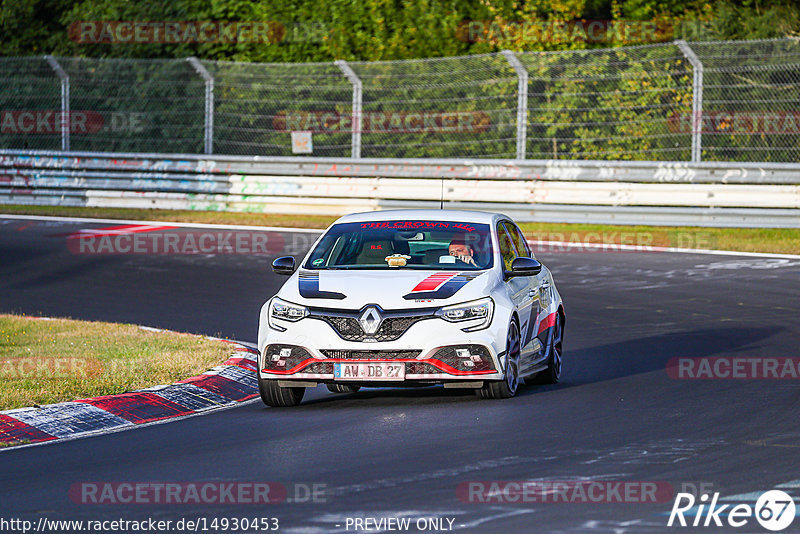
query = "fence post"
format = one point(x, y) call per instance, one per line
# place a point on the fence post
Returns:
point(355, 148)
point(65, 119)
point(522, 102)
point(697, 99)
point(208, 126)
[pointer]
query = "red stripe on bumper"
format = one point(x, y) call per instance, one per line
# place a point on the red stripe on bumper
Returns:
point(434, 362)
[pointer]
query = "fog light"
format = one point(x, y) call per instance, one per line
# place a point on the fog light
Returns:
point(285, 353)
point(463, 353)
point(468, 363)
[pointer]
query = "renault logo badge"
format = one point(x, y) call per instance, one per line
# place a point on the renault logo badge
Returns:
point(370, 320)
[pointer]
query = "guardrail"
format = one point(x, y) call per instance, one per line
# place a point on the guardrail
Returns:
point(621, 192)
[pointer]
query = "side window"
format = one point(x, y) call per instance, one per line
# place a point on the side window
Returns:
point(519, 240)
point(506, 248)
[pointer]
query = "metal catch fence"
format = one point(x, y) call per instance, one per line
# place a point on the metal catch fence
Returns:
point(681, 101)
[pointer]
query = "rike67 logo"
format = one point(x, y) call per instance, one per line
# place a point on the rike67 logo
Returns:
point(774, 510)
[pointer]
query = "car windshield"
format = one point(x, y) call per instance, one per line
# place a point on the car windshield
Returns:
point(408, 244)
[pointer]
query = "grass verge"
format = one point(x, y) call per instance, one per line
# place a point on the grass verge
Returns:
point(774, 240)
point(47, 361)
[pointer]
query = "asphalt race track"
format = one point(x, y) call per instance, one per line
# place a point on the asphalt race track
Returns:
point(616, 416)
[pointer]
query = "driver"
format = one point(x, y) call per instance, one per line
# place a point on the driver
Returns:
point(462, 251)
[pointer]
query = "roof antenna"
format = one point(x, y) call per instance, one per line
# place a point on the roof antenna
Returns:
point(441, 196)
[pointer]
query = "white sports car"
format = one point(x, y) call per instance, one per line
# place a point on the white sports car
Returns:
point(412, 297)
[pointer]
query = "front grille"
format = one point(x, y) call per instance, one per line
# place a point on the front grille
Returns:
point(322, 368)
point(421, 368)
point(370, 354)
point(347, 327)
point(394, 325)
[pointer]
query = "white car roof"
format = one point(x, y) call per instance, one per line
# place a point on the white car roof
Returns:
point(478, 217)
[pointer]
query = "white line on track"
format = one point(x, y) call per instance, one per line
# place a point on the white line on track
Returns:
point(160, 223)
point(603, 247)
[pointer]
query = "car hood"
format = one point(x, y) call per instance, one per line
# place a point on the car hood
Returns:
point(395, 289)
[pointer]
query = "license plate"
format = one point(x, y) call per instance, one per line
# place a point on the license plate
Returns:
point(369, 371)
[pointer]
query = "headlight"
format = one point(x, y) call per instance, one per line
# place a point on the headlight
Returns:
point(285, 311)
point(476, 310)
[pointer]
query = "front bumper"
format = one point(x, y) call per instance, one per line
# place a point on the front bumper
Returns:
point(432, 351)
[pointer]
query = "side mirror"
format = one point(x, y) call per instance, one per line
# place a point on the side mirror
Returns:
point(524, 267)
point(283, 265)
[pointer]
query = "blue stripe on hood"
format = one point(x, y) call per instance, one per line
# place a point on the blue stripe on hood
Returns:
point(308, 285)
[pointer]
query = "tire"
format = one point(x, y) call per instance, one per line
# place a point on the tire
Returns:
point(277, 397)
point(555, 340)
point(342, 388)
point(506, 388)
